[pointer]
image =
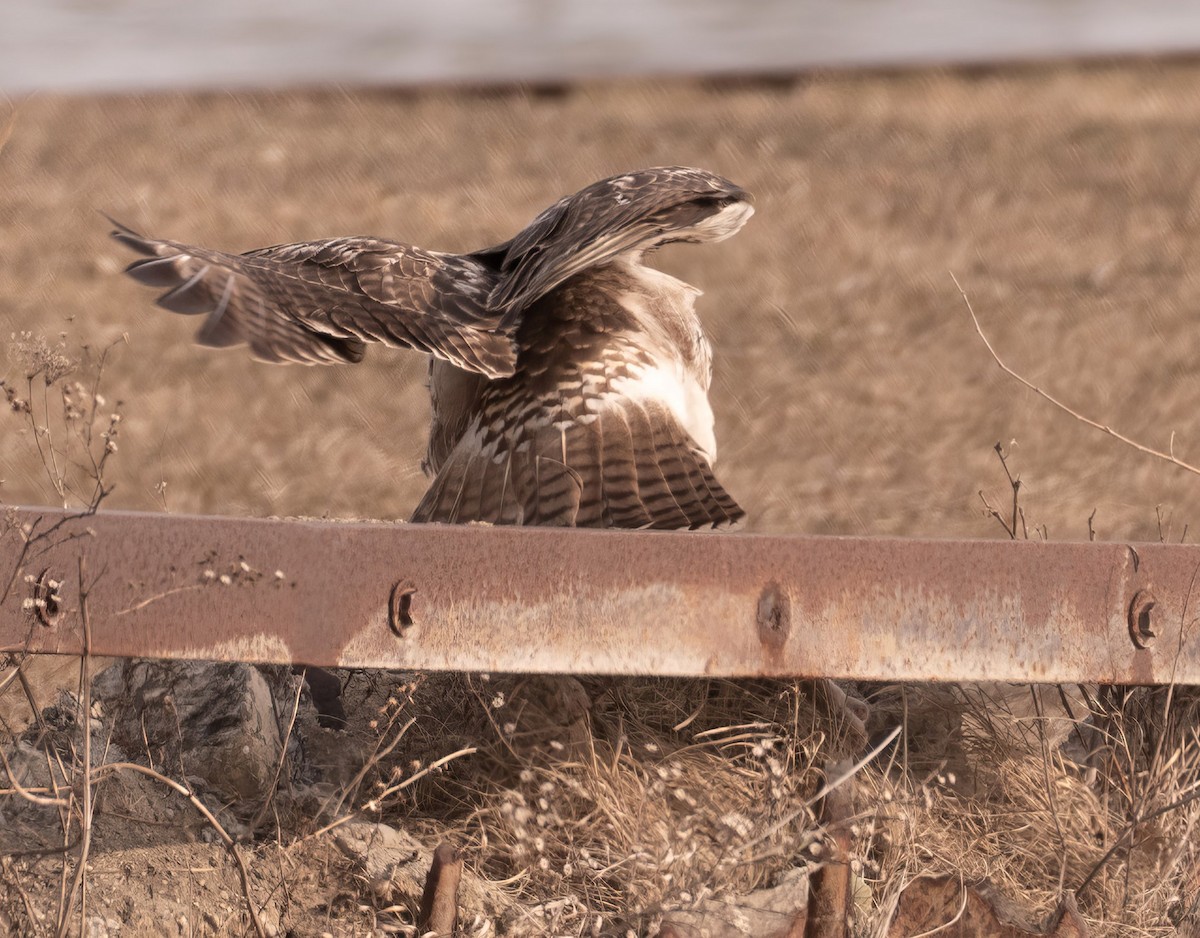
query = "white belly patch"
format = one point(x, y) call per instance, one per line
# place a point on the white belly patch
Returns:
point(682, 395)
point(680, 375)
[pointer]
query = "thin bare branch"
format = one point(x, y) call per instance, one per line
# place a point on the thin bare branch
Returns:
point(1103, 428)
point(79, 879)
point(283, 747)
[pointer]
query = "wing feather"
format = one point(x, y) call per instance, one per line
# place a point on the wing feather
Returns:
point(320, 302)
point(617, 215)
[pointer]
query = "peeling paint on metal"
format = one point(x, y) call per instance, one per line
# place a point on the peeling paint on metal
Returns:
point(607, 602)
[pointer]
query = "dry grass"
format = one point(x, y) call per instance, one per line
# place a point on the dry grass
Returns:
point(634, 817)
point(852, 394)
point(650, 796)
point(599, 806)
point(663, 794)
point(602, 823)
point(1112, 821)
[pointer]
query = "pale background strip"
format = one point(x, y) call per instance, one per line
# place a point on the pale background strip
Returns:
point(139, 44)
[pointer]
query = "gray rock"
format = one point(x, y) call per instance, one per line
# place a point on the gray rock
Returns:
point(100, 927)
point(777, 912)
point(215, 721)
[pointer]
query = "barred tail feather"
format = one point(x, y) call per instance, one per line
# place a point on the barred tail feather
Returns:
point(632, 466)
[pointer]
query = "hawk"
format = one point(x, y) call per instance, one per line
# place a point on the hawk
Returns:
point(569, 381)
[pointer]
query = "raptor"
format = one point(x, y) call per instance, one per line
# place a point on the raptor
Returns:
point(569, 381)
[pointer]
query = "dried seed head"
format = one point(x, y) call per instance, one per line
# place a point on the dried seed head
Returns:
point(39, 358)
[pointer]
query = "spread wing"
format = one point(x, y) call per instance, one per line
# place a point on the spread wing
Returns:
point(611, 217)
point(630, 466)
point(319, 302)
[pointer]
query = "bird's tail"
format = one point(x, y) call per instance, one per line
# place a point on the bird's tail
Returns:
point(632, 466)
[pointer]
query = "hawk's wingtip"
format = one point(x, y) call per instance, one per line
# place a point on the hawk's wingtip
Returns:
point(128, 237)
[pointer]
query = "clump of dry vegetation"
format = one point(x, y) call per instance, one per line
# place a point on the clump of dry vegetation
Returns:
point(1095, 812)
point(666, 794)
point(63, 412)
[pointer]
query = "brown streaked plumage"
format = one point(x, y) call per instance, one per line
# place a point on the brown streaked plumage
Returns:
point(569, 382)
point(320, 301)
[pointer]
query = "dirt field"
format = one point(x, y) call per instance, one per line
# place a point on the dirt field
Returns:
point(852, 395)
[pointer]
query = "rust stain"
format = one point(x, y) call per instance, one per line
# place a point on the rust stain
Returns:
point(773, 616)
point(484, 598)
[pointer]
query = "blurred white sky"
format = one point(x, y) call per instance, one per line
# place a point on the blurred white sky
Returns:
point(135, 44)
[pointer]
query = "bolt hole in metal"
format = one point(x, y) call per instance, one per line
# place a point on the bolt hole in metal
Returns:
point(47, 602)
point(774, 616)
point(400, 617)
point(1141, 624)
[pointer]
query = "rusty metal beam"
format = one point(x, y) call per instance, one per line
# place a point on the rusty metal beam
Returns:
point(505, 599)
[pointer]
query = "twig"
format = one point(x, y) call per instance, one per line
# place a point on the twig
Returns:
point(830, 888)
point(826, 789)
point(158, 596)
point(27, 688)
point(1103, 428)
point(26, 793)
point(1051, 801)
point(381, 753)
point(30, 911)
point(374, 803)
point(32, 536)
point(11, 676)
point(79, 879)
point(991, 510)
point(1018, 513)
point(1191, 795)
point(331, 826)
point(48, 462)
point(266, 805)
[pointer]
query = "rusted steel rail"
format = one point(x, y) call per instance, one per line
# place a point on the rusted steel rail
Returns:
point(505, 599)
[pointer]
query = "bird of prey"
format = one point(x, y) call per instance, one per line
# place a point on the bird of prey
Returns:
point(569, 381)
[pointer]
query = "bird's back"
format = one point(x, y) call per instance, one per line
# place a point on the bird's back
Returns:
point(605, 422)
